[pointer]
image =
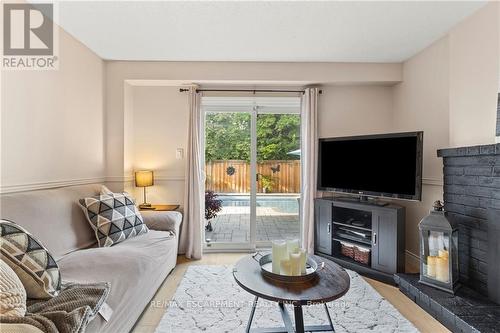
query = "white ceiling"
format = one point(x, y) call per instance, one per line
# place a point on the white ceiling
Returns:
point(261, 31)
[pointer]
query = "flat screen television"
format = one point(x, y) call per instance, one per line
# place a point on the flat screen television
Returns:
point(384, 165)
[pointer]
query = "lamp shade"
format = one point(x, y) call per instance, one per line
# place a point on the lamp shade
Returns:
point(144, 178)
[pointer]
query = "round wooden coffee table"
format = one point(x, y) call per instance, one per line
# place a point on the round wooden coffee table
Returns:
point(331, 282)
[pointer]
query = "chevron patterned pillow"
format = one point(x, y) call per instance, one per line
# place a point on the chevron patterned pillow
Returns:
point(114, 217)
point(32, 262)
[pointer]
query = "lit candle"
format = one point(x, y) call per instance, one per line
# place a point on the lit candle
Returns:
point(443, 253)
point(431, 266)
point(303, 260)
point(285, 267)
point(279, 249)
point(442, 269)
point(292, 245)
point(295, 262)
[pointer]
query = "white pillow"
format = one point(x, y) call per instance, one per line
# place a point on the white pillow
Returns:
point(12, 293)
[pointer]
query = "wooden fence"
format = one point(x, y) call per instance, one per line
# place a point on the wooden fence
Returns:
point(233, 176)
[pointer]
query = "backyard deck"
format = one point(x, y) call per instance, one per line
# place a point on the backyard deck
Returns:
point(232, 225)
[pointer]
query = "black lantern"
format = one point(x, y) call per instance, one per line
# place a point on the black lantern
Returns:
point(438, 251)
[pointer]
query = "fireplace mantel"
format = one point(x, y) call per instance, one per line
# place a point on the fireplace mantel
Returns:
point(479, 150)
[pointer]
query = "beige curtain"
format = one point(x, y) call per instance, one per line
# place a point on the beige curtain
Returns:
point(190, 242)
point(309, 157)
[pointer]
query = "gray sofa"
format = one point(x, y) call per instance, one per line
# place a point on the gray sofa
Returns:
point(135, 268)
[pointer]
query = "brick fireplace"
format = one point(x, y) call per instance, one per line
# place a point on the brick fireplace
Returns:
point(472, 199)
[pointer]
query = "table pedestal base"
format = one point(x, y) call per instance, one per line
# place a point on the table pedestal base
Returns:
point(289, 328)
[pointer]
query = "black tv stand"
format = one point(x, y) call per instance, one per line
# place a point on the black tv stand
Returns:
point(377, 231)
point(364, 199)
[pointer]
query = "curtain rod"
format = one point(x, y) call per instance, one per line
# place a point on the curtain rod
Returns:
point(249, 90)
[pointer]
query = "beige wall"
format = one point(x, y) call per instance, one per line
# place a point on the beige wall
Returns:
point(160, 127)
point(474, 73)
point(53, 121)
point(421, 102)
point(449, 91)
point(354, 110)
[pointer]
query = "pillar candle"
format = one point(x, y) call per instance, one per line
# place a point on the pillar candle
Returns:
point(303, 260)
point(431, 266)
point(292, 245)
point(295, 261)
point(285, 267)
point(442, 269)
point(279, 249)
point(443, 253)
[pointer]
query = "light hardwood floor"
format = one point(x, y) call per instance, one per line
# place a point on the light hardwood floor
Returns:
point(153, 314)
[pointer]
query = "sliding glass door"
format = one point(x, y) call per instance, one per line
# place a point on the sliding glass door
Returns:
point(228, 185)
point(252, 166)
point(278, 176)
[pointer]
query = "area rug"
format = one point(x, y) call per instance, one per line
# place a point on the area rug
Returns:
point(209, 300)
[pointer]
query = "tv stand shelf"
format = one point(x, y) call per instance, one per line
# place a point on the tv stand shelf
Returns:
point(352, 241)
point(351, 226)
point(376, 228)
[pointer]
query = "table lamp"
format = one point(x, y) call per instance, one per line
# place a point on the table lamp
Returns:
point(144, 179)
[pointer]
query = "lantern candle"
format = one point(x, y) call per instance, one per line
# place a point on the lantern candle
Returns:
point(279, 249)
point(442, 268)
point(438, 250)
point(431, 266)
point(443, 253)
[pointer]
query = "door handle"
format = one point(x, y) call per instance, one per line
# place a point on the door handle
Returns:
point(374, 238)
point(328, 228)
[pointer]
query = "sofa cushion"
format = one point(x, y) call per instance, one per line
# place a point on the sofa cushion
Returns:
point(114, 217)
point(135, 269)
point(32, 262)
point(43, 211)
point(12, 293)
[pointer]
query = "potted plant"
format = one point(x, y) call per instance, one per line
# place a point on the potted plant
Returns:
point(267, 183)
point(212, 207)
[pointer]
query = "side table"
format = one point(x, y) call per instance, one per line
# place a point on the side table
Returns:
point(160, 208)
